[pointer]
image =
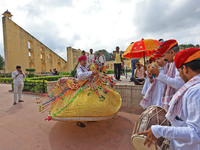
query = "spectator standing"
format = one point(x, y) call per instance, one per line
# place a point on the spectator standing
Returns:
point(91, 57)
point(101, 58)
point(18, 82)
point(118, 63)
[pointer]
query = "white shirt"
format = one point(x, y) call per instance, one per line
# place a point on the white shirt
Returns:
point(158, 91)
point(140, 73)
point(19, 78)
point(83, 73)
point(147, 84)
point(102, 59)
point(175, 83)
point(184, 135)
point(90, 57)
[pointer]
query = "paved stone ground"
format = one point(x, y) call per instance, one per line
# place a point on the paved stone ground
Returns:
point(125, 81)
point(22, 127)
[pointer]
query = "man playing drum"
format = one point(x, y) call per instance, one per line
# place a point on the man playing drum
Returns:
point(172, 80)
point(184, 108)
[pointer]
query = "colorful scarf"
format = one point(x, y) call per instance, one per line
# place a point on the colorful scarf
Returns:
point(147, 100)
point(168, 90)
point(175, 105)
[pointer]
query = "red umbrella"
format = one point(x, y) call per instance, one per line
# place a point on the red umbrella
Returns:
point(141, 49)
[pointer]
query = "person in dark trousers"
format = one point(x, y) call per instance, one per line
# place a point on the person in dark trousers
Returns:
point(118, 63)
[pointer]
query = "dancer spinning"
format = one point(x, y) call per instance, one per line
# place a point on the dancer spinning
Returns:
point(92, 98)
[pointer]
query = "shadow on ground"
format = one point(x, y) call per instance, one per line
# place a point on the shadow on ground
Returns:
point(112, 134)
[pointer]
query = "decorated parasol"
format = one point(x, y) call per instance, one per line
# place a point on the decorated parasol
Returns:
point(141, 49)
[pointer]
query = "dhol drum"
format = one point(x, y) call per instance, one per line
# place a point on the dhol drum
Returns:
point(153, 115)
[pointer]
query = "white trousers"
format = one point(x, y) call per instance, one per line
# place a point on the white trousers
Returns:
point(18, 91)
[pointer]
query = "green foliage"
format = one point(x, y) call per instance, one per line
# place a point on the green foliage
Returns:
point(30, 70)
point(6, 80)
point(30, 75)
point(35, 84)
point(64, 73)
point(112, 71)
point(49, 78)
point(73, 73)
point(5, 75)
point(1, 62)
point(109, 71)
point(184, 46)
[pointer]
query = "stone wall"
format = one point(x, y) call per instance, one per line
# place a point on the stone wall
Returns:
point(131, 95)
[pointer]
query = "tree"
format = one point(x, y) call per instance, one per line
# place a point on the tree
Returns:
point(184, 46)
point(1, 62)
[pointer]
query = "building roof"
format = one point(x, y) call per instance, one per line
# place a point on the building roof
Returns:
point(7, 13)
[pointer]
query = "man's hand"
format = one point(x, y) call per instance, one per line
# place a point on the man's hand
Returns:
point(150, 74)
point(150, 138)
point(155, 71)
point(94, 72)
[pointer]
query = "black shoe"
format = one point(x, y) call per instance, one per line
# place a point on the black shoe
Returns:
point(14, 103)
point(80, 124)
point(21, 101)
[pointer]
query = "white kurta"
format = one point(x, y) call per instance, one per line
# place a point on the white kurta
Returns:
point(102, 59)
point(158, 91)
point(90, 58)
point(147, 84)
point(83, 73)
point(184, 135)
point(175, 83)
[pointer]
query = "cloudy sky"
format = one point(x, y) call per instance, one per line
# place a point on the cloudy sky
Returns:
point(104, 24)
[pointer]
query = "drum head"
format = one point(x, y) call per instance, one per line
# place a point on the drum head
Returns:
point(138, 143)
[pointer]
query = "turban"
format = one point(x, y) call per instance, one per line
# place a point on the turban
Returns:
point(157, 55)
point(186, 56)
point(154, 56)
point(83, 57)
point(151, 59)
point(167, 45)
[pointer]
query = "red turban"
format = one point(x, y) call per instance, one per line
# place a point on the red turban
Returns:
point(83, 57)
point(167, 45)
point(151, 59)
point(186, 56)
point(154, 56)
point(157, 55)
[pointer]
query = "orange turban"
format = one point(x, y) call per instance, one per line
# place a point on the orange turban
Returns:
point(186, 56)
point(167, 45)
point(83, 57)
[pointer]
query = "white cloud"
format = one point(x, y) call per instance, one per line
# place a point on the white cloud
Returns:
point(104, 24)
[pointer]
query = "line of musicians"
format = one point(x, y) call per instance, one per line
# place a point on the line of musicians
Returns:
point(174, 78)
